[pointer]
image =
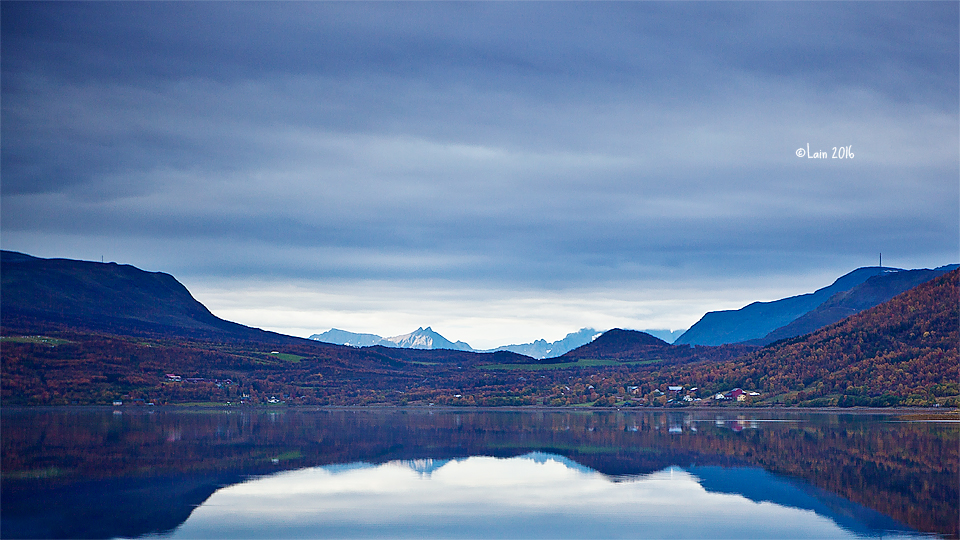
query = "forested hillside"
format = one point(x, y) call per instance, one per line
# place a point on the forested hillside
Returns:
point(901, 352)
point(91, 333)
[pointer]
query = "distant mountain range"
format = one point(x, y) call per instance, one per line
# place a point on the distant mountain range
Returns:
point(765, 322)
point(427, 338)
point(424, 338)
point(421, 338)
point(541, 348)
point(670, 336)
point(93, 333)
point(759, 323)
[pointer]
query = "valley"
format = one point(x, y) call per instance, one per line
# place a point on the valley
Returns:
point(155, 344)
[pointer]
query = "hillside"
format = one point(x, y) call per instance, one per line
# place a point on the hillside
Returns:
point(901, 352)
point(758, 319)
point(91, 333)
point(623, 344)
point(41, 295)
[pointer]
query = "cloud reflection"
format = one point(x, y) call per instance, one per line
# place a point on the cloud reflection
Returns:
point(531, 496)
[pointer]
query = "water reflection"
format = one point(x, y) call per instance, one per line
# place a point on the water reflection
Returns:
point(88, 473)
point(532, 496)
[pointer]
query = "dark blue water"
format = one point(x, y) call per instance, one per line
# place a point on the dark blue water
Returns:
point(395, 473)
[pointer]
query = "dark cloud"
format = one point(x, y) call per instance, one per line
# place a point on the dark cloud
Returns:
point(516, 142)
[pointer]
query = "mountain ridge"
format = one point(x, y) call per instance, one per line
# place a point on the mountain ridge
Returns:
point(41, 294)
point(125, 345)
point(424, 338)
point(906, 345)
point(872, 292)
point(761, 322)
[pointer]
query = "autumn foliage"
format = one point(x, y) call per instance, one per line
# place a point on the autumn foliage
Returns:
point(900, 353)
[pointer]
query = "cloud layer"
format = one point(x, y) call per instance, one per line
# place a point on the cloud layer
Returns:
point(506, 145)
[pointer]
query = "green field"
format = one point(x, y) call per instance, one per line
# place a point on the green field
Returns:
point(288, 357)
point(49, 472)
point(53, 342)
point(593, 362)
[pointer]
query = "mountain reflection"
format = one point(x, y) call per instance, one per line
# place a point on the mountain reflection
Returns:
point(531, 496)
point(96, 474)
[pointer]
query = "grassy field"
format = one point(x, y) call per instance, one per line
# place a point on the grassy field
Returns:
point(53, 342)
point(288, 357)
point(567, 365)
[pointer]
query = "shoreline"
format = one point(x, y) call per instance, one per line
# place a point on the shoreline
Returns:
point(937, 411)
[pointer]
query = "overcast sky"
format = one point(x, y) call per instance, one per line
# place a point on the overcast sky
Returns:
point(499, 171)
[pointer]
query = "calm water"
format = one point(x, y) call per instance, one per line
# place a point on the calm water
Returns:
point(417, 473)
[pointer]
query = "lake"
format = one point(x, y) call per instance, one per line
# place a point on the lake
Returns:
point(466, 473)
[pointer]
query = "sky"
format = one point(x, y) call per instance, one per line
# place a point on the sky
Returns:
point(499, 171)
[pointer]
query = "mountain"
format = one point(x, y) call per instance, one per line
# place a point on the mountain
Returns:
point(670, 336)
point(541, 348)
point(421, 338)
point(901, 352)
point(872, 292)
point(634, 346)
point(77, 332)
point(424, 338)
point(342, 337)
point(620, 344)
point(46, 294)
point(758, 319)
